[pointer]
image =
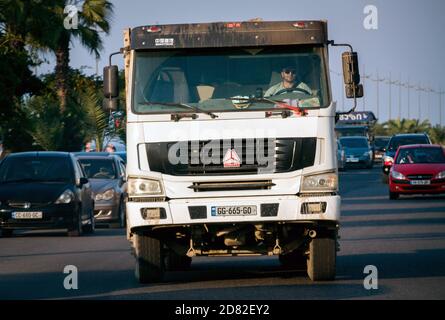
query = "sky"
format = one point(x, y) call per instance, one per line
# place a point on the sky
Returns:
point(408, 44)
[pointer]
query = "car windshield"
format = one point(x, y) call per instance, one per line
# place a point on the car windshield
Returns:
point(354, 143)
point(420, 155)
point(223, 79)
point(35, 169)
point(381, 143)
point(351, 131)
point(98, 168)
point(395, 143)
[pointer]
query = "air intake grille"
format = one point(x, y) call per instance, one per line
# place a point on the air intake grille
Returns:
point(255, 156)
point(231, 185)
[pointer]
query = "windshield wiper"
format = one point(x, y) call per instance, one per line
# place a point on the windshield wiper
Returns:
point(277, 103)
point(182, 105)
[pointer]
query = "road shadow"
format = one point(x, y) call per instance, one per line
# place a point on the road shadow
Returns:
point(239, 279)
point(417, 264)
point(101, 232)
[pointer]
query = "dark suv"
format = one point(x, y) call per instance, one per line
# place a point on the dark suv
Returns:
point(43, 190)
point(394, 143)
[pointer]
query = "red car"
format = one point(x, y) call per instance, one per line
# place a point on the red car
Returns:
point(417, 169)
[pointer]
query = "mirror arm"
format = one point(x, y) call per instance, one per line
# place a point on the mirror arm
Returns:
point(332, 43)
point(121, 51)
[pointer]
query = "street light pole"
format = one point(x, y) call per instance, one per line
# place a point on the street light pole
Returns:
point(409, 87)
point(378, 95)
point(389, 96)
point(400, 96)
point(419, 89)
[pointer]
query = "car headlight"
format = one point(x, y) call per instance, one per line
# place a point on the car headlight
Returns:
point(440, 175)
point(320, 182)
point(66, 197)
point(107, 195)
point(397, 175)
point(139, 187)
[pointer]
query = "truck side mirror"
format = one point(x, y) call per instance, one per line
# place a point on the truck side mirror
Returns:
point(111, 88)
point(351, 75)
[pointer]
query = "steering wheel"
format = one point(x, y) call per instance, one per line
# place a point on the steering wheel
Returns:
point(293, 89)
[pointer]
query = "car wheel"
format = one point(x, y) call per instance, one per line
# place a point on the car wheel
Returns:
point(91, 227)
point(393, 195)
point(121, 222)
point(322, 259)
point(6, 233)
point(76, 229)
point(149, 259)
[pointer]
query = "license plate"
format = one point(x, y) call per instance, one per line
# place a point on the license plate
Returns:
point(234, 211)
point(27, 215)
point(421, 182)
point(352, 160)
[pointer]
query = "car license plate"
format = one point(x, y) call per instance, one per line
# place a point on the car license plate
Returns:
point(352, 160)
point(234, 211)
point(420, 182)
point(27, 215)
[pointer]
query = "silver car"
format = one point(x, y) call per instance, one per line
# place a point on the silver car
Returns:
point(106, 173)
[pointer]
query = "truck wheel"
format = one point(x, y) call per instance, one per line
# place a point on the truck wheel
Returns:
point(176, 262)
point(294, 259)
point(393, 195)
point(149, 260)
point(322, 259)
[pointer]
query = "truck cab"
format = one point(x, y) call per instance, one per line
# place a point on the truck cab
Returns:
point(217, 167)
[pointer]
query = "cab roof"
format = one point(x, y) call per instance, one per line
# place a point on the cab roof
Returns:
point(228, 34)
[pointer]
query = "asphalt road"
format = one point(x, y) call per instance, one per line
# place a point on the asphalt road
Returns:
point(403, 239)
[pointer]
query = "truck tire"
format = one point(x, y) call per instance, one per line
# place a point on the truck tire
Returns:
point(294, 259)
point(176, 262)
point(322, 259)
point(149, 259)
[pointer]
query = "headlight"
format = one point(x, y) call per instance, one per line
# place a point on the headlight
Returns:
point(107, 195)
point(66, 197)
point(440, 175)
point(139, 187)
point(397, 175)
point(320, 182)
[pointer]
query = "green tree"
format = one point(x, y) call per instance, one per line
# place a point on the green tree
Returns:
point(93, 18)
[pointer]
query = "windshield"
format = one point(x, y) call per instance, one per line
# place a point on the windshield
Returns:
point(209, 79)
point(354, 143)
point(30, 169)
point(402, 141)
point(381, 142)
point(98, 168)
point(420, 155)
point(345, 132)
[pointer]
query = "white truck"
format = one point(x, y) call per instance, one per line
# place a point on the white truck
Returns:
point(217, 165)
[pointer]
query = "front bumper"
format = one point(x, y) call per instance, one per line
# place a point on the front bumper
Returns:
point(407, 188)
point(106, 211)
point(55, 216)
point(289, 210)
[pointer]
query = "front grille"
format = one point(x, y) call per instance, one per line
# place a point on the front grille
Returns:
point(420, 177)
point(255, 156)
point(232, 185)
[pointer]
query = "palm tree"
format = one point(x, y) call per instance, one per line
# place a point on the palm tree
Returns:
point(93, 18)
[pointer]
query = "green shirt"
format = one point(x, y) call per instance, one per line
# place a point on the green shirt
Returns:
point(279, 86)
